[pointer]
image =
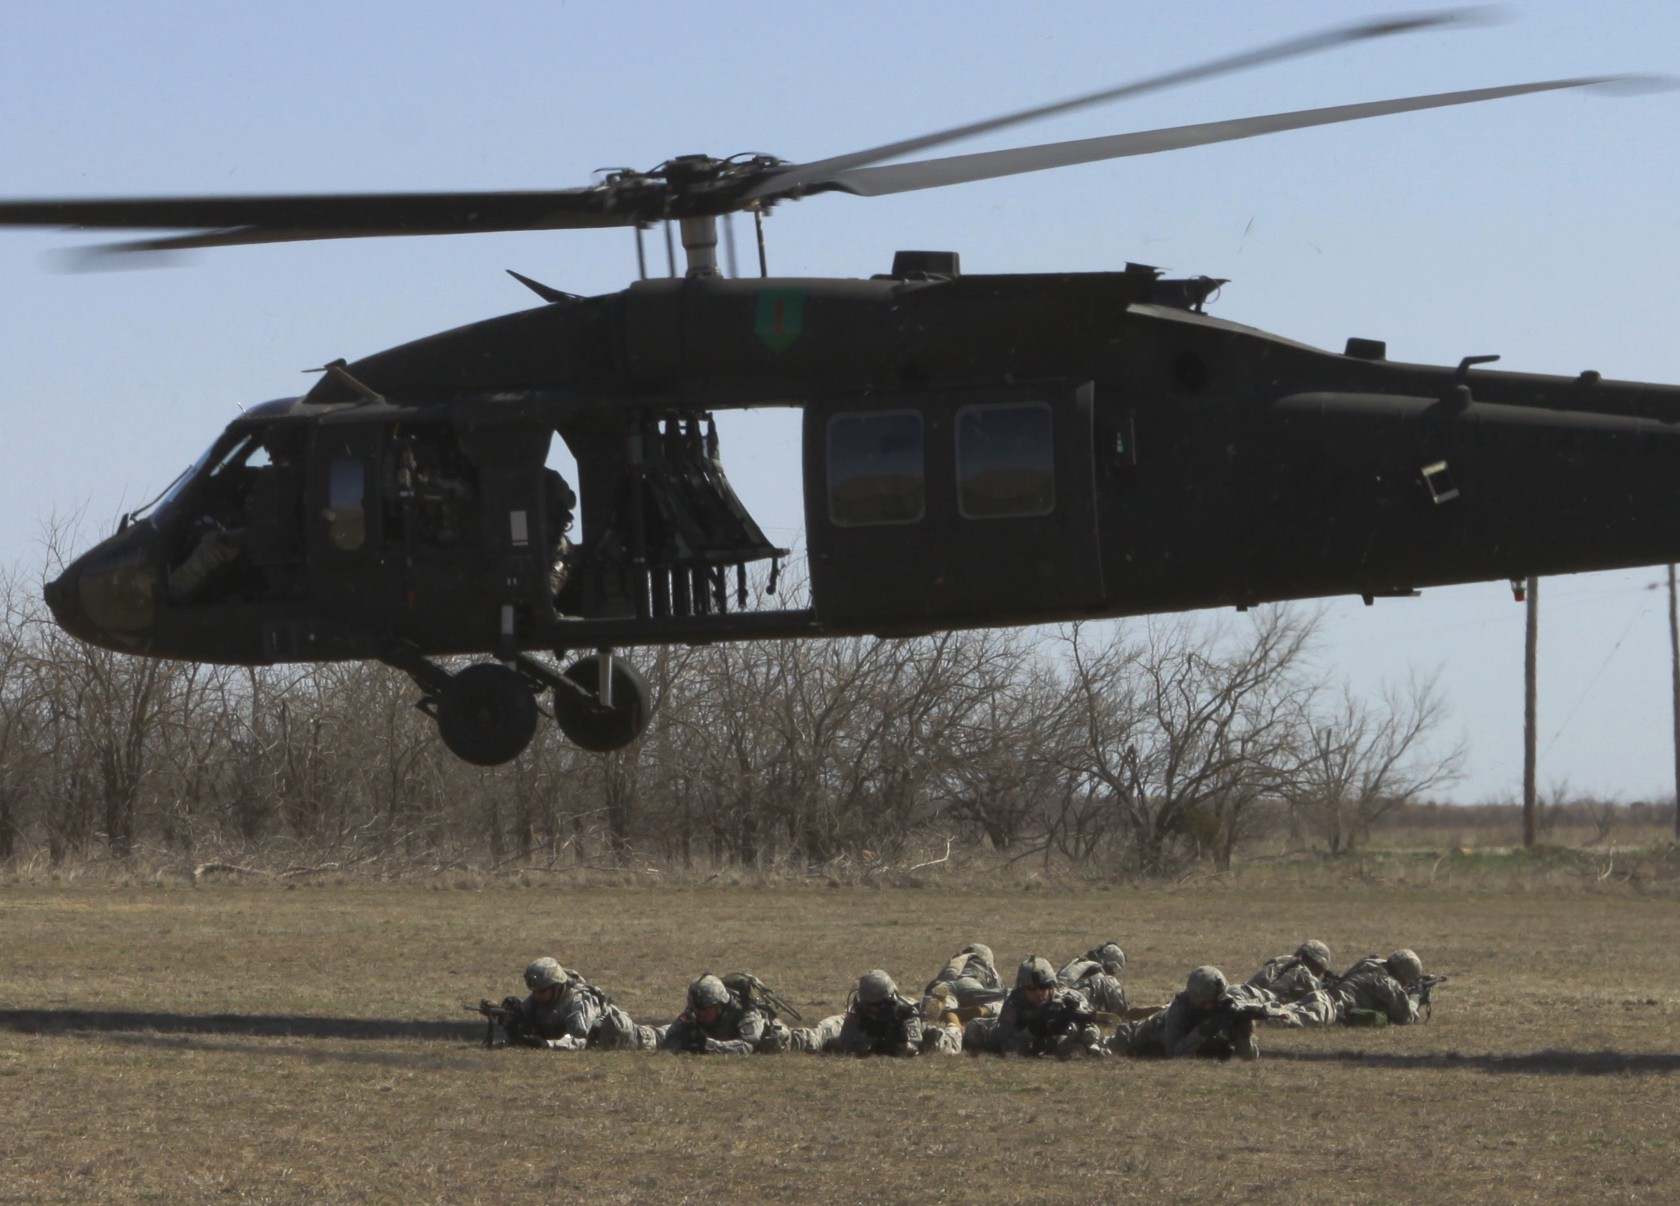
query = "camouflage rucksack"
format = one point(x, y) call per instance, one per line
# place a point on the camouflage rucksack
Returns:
point(1364, 1017)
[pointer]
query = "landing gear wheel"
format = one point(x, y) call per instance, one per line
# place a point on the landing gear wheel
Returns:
point(590, 726)
point(487, 715)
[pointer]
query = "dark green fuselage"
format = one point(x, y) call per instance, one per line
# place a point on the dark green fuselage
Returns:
point(978, 450)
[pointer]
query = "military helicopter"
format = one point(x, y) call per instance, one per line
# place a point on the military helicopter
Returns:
point(977, 450)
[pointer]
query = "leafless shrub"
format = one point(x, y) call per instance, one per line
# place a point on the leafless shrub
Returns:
point(1365, 759)
point(1152, 747)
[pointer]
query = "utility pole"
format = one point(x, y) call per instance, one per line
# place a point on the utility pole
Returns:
point(1674, 669)
point(1531, 650)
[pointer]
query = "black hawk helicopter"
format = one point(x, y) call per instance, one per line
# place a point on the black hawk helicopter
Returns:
point(977, 450)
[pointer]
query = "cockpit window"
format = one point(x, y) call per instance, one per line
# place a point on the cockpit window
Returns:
point(346, 502)
point(219, 482)
point(214, 460)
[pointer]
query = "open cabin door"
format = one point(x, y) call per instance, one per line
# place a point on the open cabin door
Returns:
point(953, 505)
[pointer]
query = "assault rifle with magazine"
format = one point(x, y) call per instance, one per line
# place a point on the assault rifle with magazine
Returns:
point(1061, 1018)
point(507, 1016)
point(1421, 991)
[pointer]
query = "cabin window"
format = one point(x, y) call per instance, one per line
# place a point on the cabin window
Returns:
point(346, 503)
point(1005, 460)
point(875, 468)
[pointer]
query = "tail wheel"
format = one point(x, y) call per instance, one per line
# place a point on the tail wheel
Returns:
point(589, 725)
point(487, 715)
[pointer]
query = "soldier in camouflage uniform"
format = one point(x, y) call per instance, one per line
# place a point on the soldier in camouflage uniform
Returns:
point(1042, 1017)
point(942, 1025)
point(1096, 974)
point(973, 977)
point(1198, 1022)
point(719, 1021)
point(1373, 992)
point(567, 1013)
point(877, 1021)
point(1290, 978)
point(968, 987)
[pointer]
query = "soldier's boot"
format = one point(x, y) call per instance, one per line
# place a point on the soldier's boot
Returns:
point(617, 1032)
point(943, 1036)
point(978, 1035)
point(939, 1001)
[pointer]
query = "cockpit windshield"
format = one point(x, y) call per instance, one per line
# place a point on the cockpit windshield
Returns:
point(232, 448)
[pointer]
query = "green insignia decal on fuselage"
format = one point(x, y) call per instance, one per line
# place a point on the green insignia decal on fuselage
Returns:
point(781, 316)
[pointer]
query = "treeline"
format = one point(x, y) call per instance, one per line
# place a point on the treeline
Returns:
point(1557, 809)
point(1127, 747)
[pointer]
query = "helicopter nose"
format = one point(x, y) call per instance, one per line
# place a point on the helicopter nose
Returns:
point(107, 594)
point(60, 594)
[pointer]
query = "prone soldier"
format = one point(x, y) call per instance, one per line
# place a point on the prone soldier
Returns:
point(1289, 978)
point(1203, 1020)
point(564, 1012)
point(1096, 974)
point(721, 1020)
point(877, 1021)
point(972, 976)
point(1042, 1017)
point(1374, 991)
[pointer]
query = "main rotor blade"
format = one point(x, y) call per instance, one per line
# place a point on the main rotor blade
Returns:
point(960, 169)
point(230, 220)
point(796, 179)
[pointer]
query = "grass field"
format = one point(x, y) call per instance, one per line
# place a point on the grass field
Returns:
point(258, 1043)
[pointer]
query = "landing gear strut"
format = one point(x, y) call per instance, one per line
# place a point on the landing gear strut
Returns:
point(602, 720)
point(487, 714)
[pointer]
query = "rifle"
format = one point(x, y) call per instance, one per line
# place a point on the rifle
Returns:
point(751, 990)
point(1233, 1011)
point(1421, 990)
point(1056, 1020)
point(496, 1015)
point(694, 1035)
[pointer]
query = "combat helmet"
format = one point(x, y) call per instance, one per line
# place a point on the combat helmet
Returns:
point(875, 987)
point(1315, 952)
point(1035, 972)
point(981, 949)
point(1404, 965)
point(706, 992)
point(544, 973)
point(1205, 984)
point(1109, 954)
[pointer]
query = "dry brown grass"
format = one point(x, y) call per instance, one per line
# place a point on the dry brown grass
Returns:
point(253, 1042)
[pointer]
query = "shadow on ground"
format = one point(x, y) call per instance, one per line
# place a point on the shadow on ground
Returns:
point(52, 1021)
point(1549, 1062)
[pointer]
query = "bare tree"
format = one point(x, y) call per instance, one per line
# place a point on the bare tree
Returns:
point(1365, 760)
point(1186, 728)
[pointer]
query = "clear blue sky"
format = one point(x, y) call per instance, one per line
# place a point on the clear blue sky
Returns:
point(1544, 229)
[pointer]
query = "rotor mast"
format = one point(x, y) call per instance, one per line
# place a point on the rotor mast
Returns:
point(699, 240)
